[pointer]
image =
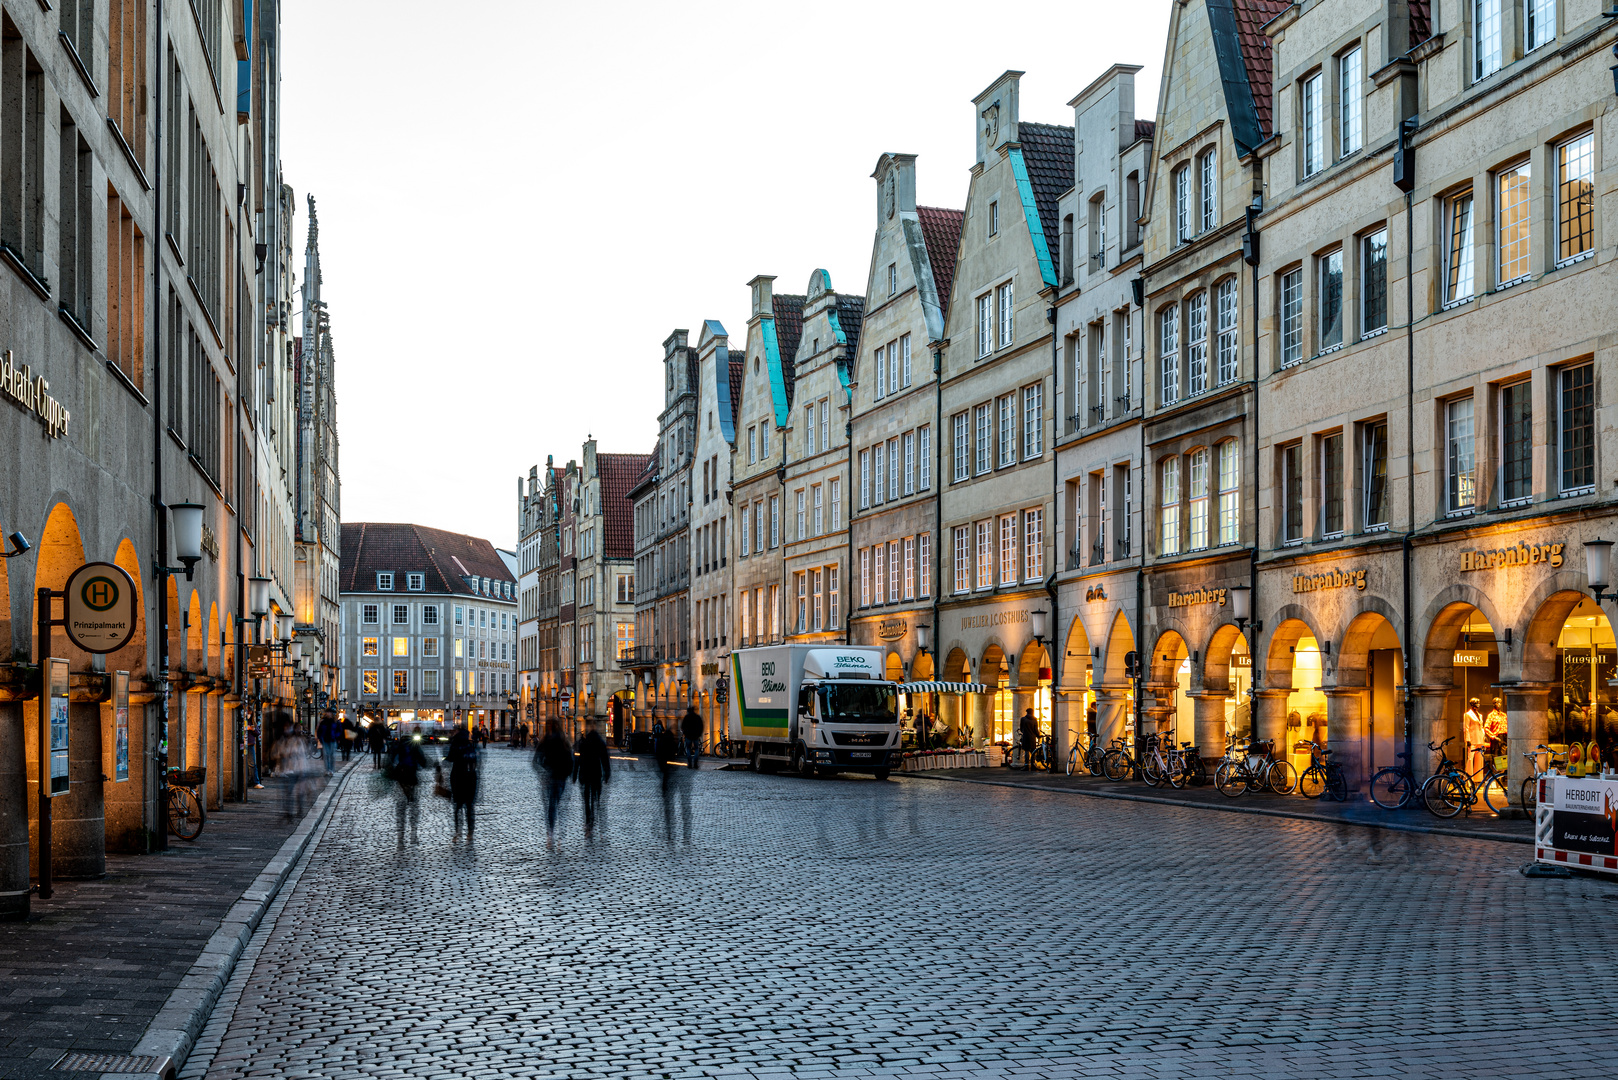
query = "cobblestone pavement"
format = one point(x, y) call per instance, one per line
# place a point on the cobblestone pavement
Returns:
point(95, 963)
point(849, 928)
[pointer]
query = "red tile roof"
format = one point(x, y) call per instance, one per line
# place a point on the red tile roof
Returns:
point(619, 472)
point(1251, 15)
point(737, 368)
point(941, 231)
point(1145, 129)
point(445, 559)
point(1421, 21)
point(788, 330)
point(1048, 152)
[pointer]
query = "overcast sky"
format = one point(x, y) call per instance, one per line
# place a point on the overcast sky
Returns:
point(520, 200)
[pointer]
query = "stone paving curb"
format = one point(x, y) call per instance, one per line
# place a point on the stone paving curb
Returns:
point(174, 1030)
point(1391, 826)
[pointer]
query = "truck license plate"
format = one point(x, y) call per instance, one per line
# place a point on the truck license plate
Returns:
point(860, 753)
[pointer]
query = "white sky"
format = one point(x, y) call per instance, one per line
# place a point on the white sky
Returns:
point(516, 209)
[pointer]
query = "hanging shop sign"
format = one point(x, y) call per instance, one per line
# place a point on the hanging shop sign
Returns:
point(1333, 579)
point(1471, 659)
point(892, 629)
point(101, 611)
point(1241, 660)
point(1520, 555)
point(1215, 597)
point(210, 542)
point(258, 661)
point(994, 618)
point(19, 383)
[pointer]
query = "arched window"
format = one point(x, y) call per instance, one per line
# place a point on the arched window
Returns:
point(1197, 466)
point(1196, 343)
point(1168, 487)
point(1229, 477)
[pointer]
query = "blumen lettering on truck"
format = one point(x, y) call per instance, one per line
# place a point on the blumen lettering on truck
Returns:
point(760, 718)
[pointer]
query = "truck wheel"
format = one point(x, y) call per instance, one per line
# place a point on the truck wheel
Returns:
point(758, 758)
point(801, 763)
point(881, 774)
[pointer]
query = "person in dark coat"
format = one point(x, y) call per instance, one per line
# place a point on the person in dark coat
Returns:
point(691, 727)
point(592, 769)
point(1030, 738)
point(554, 757)
point(378, 735)
point(406, 759)
point(462, 756)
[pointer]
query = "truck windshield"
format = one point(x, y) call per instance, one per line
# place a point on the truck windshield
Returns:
point(866, 704)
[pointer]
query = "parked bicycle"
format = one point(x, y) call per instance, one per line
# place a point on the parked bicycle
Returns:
point(1530, 784)
point(726, 747)
point(1119, 760)
point(1452, 789)
point(183, 801)
point(1394, 786)
point(1252, 766)
point(1044, 754)
point(1323, 776)
point(1087, 753)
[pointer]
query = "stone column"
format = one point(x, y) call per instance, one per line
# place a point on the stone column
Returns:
point(1209, 712)
point(14, 841)
point(1159, 707)
point(982, 706)
point(1345, 732)
point(1270, 719)
point(1526, 728)
point(1429, 724)
point(1115, 714)
point(1067, 719)
point(78, 819)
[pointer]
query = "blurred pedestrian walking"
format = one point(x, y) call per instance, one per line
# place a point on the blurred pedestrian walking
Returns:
point(592, 769)
point(378, 735)
point(673, 781)
point(291, 762)
point(555, 758)
point(462, 757)
point(1030, 738)
point(330, 733)
point(406, 759)
point(252, 753)
point(691, 727)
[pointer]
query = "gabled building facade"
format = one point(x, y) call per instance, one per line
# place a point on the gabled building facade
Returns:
point(711, 523)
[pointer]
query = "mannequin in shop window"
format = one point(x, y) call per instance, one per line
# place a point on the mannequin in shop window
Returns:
point(1494, 728)
point(1472, 732)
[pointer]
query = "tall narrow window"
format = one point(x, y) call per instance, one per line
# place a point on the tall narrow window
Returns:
point(963, 559)
point(1350, 76)
point(126, 292)
point(1331, 300)
point(1460, 474)
point(1512, 207)
point(879, 459)
point(834, 598)
point(909, 577)
point(819, 606)
point(962, 451)
point(1008, 549)
point(1169, 507)
point(893, 469)
point(1313, 113)
point(893, 367)
point(801, 623)
point(1168, 351)
point(1196, 343)
point(1458, 258)
point(924, 556)
point(1007, 324)
point(1182, 204)
point(1033, 544)
point(1376, 476)
point(1578, 409)
point(819, 510)
point(894, 568)
point(809, 429)
point(1098, 230)
point(881, 381)
point(1575, 198)
point(74, 214)
point(1197, 468)
point(1331, 485)
point(1516, 442)
point(985, 553)
point(985, 324)
point(746, 532)
point(126, 70)
point(865, 479)
point(1291, 317)
point(775, 521)
point(984, 439)
point(1374, 283)
point(1228, 346)
point(825, 432)
point(1485, 38)
point(834, 495)
point(1541, 23)
point(924, 437)
point(1291, 494)
point(1033, 421)
point(865, 577)
point(1006, 412)
point(909, 470)
point(904, 360)
point(1208, 189)
point(1229, 470)
point(801, 534)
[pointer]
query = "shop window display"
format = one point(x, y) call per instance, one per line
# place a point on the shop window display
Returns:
point(1582, 714)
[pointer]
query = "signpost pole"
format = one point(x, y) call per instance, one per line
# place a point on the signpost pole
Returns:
point(43, 601)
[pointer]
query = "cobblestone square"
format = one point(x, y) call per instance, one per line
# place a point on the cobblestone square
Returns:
point(848, 928)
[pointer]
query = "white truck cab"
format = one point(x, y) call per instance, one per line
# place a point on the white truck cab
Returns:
point(824, 708)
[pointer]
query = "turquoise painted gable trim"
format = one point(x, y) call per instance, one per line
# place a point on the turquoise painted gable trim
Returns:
point(772, 360)
point(1030, 210)
point(721, 385)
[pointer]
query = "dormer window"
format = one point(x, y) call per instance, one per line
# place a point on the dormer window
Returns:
point(384, 582)
point(416, 582)
point(483, 586)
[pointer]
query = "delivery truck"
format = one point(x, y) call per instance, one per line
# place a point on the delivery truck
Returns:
point(815, 708)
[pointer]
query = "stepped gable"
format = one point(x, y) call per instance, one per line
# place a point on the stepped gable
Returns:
point(941, 232)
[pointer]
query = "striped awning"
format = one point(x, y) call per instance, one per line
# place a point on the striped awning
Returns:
point(945, 688)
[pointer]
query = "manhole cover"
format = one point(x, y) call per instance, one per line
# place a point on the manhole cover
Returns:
point(116, 1063)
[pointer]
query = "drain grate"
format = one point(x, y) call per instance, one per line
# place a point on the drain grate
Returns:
point(115, 1063)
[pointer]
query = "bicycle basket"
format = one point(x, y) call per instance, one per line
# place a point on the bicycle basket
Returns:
point(192, 777)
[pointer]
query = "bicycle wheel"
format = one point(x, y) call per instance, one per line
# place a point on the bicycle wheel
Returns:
point(1312, 784)
point(1281, 777)
point(1072, 759)
point(1150, 771)
point(185, 819)
point(1494, 794)
point(1390, 787)
point(1196, 771)
point(1530, 794)
point(1114, 765)
point(1231, 779)
point(1443, 795)
point(1177, 772)
point(1336, 784)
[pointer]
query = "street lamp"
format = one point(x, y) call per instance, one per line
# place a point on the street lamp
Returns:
point(258, 596)
point(187, 534)
point(1039, 617)
point(1241, 605)
point(1598, 567)
point(283, 626)
point(922, 633)
point(295, 650)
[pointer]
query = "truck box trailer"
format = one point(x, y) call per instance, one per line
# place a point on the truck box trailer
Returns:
point(824, 708)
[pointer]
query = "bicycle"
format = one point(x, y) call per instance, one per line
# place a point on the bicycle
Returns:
point(1158, 765)
point(1088, 753)
point(726, 747)
point(1119, 760)
point(1450, 788)
point(186, 811)
point(1044, 754)
point(1530, 784)
point(1323, 776)
point(1254, 768)
point(1394, 786)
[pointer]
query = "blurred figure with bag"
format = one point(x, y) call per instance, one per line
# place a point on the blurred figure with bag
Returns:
point(554, 757)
